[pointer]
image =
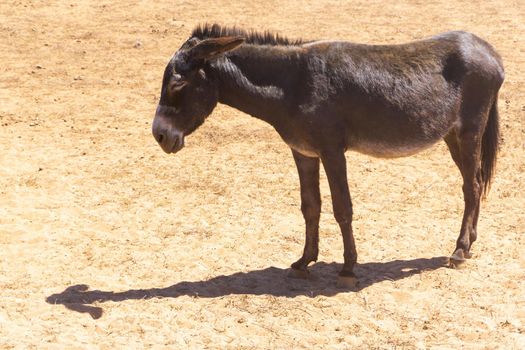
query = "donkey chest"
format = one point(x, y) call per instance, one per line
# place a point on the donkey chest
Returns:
point(304, 148)
point(300, 140)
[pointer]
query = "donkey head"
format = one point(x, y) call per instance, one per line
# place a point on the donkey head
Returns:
point(189, 93)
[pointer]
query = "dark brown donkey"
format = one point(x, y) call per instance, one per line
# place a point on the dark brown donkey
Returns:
point(327, 97)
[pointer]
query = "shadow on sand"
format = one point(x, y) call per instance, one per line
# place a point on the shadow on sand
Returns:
point(271, 281)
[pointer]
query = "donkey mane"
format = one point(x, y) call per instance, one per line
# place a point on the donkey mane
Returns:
point(215, 30)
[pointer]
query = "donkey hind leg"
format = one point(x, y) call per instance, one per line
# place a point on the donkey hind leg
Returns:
point(308, 169)
point(465, 148)
point(453, 146)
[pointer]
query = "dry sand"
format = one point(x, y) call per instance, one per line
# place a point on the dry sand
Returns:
point(191, 251)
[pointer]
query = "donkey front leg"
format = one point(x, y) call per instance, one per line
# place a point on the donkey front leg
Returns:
point(335, 166)
point(308, 169)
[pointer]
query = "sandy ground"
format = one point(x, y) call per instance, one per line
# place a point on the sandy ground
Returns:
point(139, 249)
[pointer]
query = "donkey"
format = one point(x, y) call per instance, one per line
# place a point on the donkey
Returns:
point(327, 97)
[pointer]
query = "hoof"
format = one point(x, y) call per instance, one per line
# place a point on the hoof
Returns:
point(458, 259)
point(300, 274)
point(347, 282)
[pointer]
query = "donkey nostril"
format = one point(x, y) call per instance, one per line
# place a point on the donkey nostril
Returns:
point(160, 137)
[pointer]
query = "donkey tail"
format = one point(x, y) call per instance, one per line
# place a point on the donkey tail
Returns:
point(489, 147)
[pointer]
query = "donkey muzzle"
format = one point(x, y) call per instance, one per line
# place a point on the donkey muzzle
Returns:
point(170, 139)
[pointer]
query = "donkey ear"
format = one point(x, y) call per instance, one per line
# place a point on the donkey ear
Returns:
point(209, 49)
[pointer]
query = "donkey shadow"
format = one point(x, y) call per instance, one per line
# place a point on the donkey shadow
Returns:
point(268, 281)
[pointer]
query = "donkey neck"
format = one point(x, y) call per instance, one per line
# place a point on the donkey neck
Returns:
point(257, 79)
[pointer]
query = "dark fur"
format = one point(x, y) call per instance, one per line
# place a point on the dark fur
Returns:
point(327, 97)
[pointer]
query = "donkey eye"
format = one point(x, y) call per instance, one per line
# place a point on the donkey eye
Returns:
point(177, 82)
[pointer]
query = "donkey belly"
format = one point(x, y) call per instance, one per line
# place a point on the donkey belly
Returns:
point(385, 149)
point(399, 137)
